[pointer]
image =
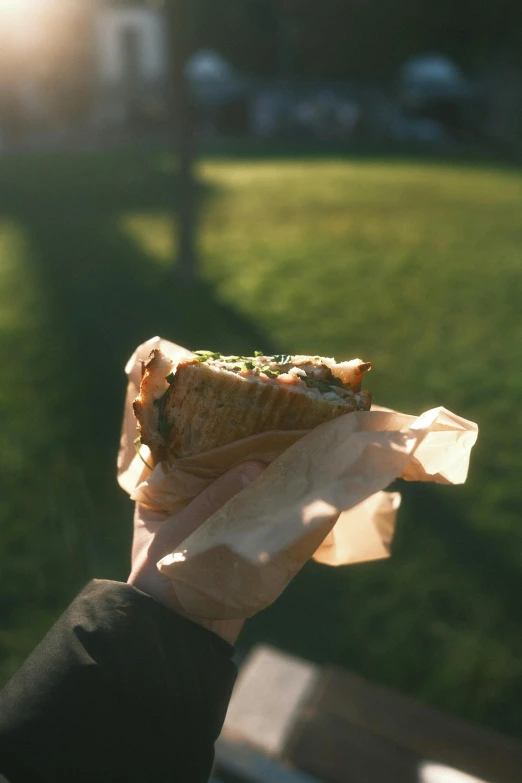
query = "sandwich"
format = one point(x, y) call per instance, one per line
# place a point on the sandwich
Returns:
point(209, 400)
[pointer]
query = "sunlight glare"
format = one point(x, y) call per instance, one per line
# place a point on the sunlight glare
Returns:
point(26, 25)
point(19, 11)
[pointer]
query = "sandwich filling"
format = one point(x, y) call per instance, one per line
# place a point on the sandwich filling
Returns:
point(313, 376)
point(208, 399)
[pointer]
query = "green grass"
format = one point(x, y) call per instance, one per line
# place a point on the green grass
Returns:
point(413, 264)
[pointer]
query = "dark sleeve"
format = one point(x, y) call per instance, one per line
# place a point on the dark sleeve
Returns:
point(121, 688)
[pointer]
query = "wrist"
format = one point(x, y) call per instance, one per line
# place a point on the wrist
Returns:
point(228, 630)
point(159, 587)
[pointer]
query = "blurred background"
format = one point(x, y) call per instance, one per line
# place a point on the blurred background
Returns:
point(341, 178)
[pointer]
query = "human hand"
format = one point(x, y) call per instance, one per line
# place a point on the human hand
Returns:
point(156, 534)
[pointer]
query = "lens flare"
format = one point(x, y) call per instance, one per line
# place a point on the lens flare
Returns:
point(26, 24)
point(20, 12)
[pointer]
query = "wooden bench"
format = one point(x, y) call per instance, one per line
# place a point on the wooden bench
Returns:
point(339, 728)
point(377, 734)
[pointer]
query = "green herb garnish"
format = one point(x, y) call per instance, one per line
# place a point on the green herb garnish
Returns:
point(137, 444)
point(269, 371)
point(258, 353)
point(204, 356)
point(247, 366)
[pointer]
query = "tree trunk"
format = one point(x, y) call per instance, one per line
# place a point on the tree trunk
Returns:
point(183, 126)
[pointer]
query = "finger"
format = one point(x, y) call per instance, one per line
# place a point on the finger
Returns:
point(178, 527)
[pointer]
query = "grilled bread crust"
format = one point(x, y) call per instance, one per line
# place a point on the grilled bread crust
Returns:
point(205, 408)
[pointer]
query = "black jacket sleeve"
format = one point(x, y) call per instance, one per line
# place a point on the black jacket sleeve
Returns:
point(121, 689)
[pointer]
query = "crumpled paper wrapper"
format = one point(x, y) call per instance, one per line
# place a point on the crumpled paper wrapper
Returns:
point(321, 496)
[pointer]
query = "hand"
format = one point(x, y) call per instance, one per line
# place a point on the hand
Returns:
point(157, 535)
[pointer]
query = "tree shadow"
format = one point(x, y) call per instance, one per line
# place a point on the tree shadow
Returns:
point(104, 295)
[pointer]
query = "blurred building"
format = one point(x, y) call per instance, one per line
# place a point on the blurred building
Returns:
point(94, 71)
point(131, 63)
point(89, 69)
point(46, 66)
point(79, 65)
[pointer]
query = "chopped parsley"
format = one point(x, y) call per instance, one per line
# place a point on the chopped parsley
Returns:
point(245, 364)
point(269, 371)
point(204, 356)
point(137, 444)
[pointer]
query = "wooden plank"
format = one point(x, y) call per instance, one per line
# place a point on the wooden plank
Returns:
point(337, 751)
point(267, 699)
point(349, 702)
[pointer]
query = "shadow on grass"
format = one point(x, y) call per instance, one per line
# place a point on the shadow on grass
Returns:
point(105, 292)
point(103, 295)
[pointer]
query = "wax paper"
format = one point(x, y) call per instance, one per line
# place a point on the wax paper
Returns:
point(321, 496)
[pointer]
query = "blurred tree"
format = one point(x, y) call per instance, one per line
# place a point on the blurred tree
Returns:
point(180, 34)
point(362, 38)
point(336, 38)
point(470, 31)
point(289, 19)
point(243, 31)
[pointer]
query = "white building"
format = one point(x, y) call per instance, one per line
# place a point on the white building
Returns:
point(132, 65)
point(131, 56)
point(98, 65)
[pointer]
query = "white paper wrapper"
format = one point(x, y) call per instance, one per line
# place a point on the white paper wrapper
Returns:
point(243, 557)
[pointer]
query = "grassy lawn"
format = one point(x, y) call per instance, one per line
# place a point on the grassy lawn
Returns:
point(414, 265)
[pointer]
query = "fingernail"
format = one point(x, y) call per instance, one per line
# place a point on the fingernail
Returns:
point(249, 473)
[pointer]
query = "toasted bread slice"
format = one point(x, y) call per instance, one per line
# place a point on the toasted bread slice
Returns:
point(208, 405)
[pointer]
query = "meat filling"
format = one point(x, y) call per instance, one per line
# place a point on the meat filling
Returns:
point(311, 377)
